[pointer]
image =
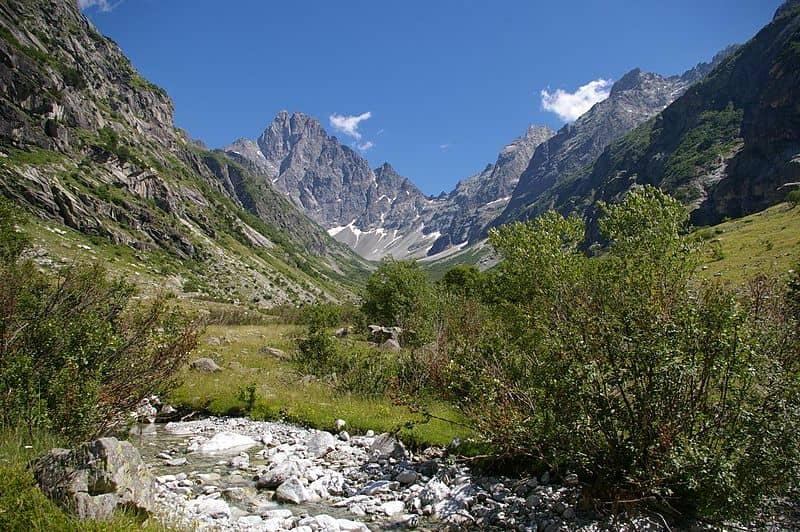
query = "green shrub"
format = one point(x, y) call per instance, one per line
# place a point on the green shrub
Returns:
point(623, 368)
point(464, 280)
point(793, 198)
point(75, 353)
point(320, 315)
point(399, 293)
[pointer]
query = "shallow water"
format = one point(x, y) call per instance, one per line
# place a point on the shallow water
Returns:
point(152, 440)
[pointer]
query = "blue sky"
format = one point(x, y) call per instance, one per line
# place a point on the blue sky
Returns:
point(435, 87)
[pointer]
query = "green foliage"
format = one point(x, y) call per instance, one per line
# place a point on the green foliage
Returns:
point(109, 140)
point(248, 395)
point(463, 280)
point(321, 315)
point(793, 198)
point(623, 368)
point(75, 356)
point(399, 293)
point(12, 240)
point(713, 136)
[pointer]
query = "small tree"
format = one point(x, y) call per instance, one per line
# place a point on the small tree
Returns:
point(464, 280)
point(400, 294)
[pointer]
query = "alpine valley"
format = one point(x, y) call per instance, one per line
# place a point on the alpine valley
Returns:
point(598, 330)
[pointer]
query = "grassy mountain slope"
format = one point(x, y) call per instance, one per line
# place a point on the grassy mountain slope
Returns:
point(89, 147)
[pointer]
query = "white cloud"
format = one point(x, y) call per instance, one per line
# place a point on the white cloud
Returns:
point(570, 105)
point(444, 147)
point(348, 124)
point(101, 5)
point(364, 146)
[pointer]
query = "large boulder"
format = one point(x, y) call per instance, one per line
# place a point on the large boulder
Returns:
point(295, 492)
point(96, 478)
point(379, 334)
point(227, 442)
point(321, 443)
point(205, 365)
point(385, 446)
point(279, 474)
point(391, 345)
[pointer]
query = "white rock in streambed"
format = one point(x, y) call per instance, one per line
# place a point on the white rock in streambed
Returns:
point(215, 508)
point(321, 443)
point(295, 492)
point(227, 442)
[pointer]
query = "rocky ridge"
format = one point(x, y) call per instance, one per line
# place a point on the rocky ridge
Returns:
point(727, 148)
point(377, 212)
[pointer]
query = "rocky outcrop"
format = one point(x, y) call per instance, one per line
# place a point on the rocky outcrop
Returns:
point(96, 479)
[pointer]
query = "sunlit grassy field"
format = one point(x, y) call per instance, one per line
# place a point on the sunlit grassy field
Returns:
point(282, 393)
point(767, 242)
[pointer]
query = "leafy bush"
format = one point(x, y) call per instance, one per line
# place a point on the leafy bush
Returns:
point(75, 353)
point(321, 315)
point(464, 280)
point(400, 294)
point(623, 368)
point(793, 198)
point(347, 365)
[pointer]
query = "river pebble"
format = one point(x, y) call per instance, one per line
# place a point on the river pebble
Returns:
point(242, 475)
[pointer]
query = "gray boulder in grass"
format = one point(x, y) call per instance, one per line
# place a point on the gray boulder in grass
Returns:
point(96, 478)
point(206, 365)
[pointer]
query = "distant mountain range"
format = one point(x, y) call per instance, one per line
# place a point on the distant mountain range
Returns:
point(379, 213)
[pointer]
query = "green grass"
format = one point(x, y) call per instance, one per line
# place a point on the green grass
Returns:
point(23, 506)
point(283, 393)
point(32, 156)
point(767, 242)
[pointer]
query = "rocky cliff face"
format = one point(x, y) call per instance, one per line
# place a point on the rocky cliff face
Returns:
point(463, 215)
point(726, 148)
point(634, 98)
point(85, 141)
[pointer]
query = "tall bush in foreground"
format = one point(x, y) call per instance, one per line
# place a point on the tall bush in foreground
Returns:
point(77, 349)
point(653, 386)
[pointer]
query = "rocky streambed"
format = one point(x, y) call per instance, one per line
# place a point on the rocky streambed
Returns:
point(238, 474)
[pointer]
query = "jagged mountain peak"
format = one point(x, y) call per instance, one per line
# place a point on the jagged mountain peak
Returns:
point(386, 169)
point(633, 99)
point(630, 80)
